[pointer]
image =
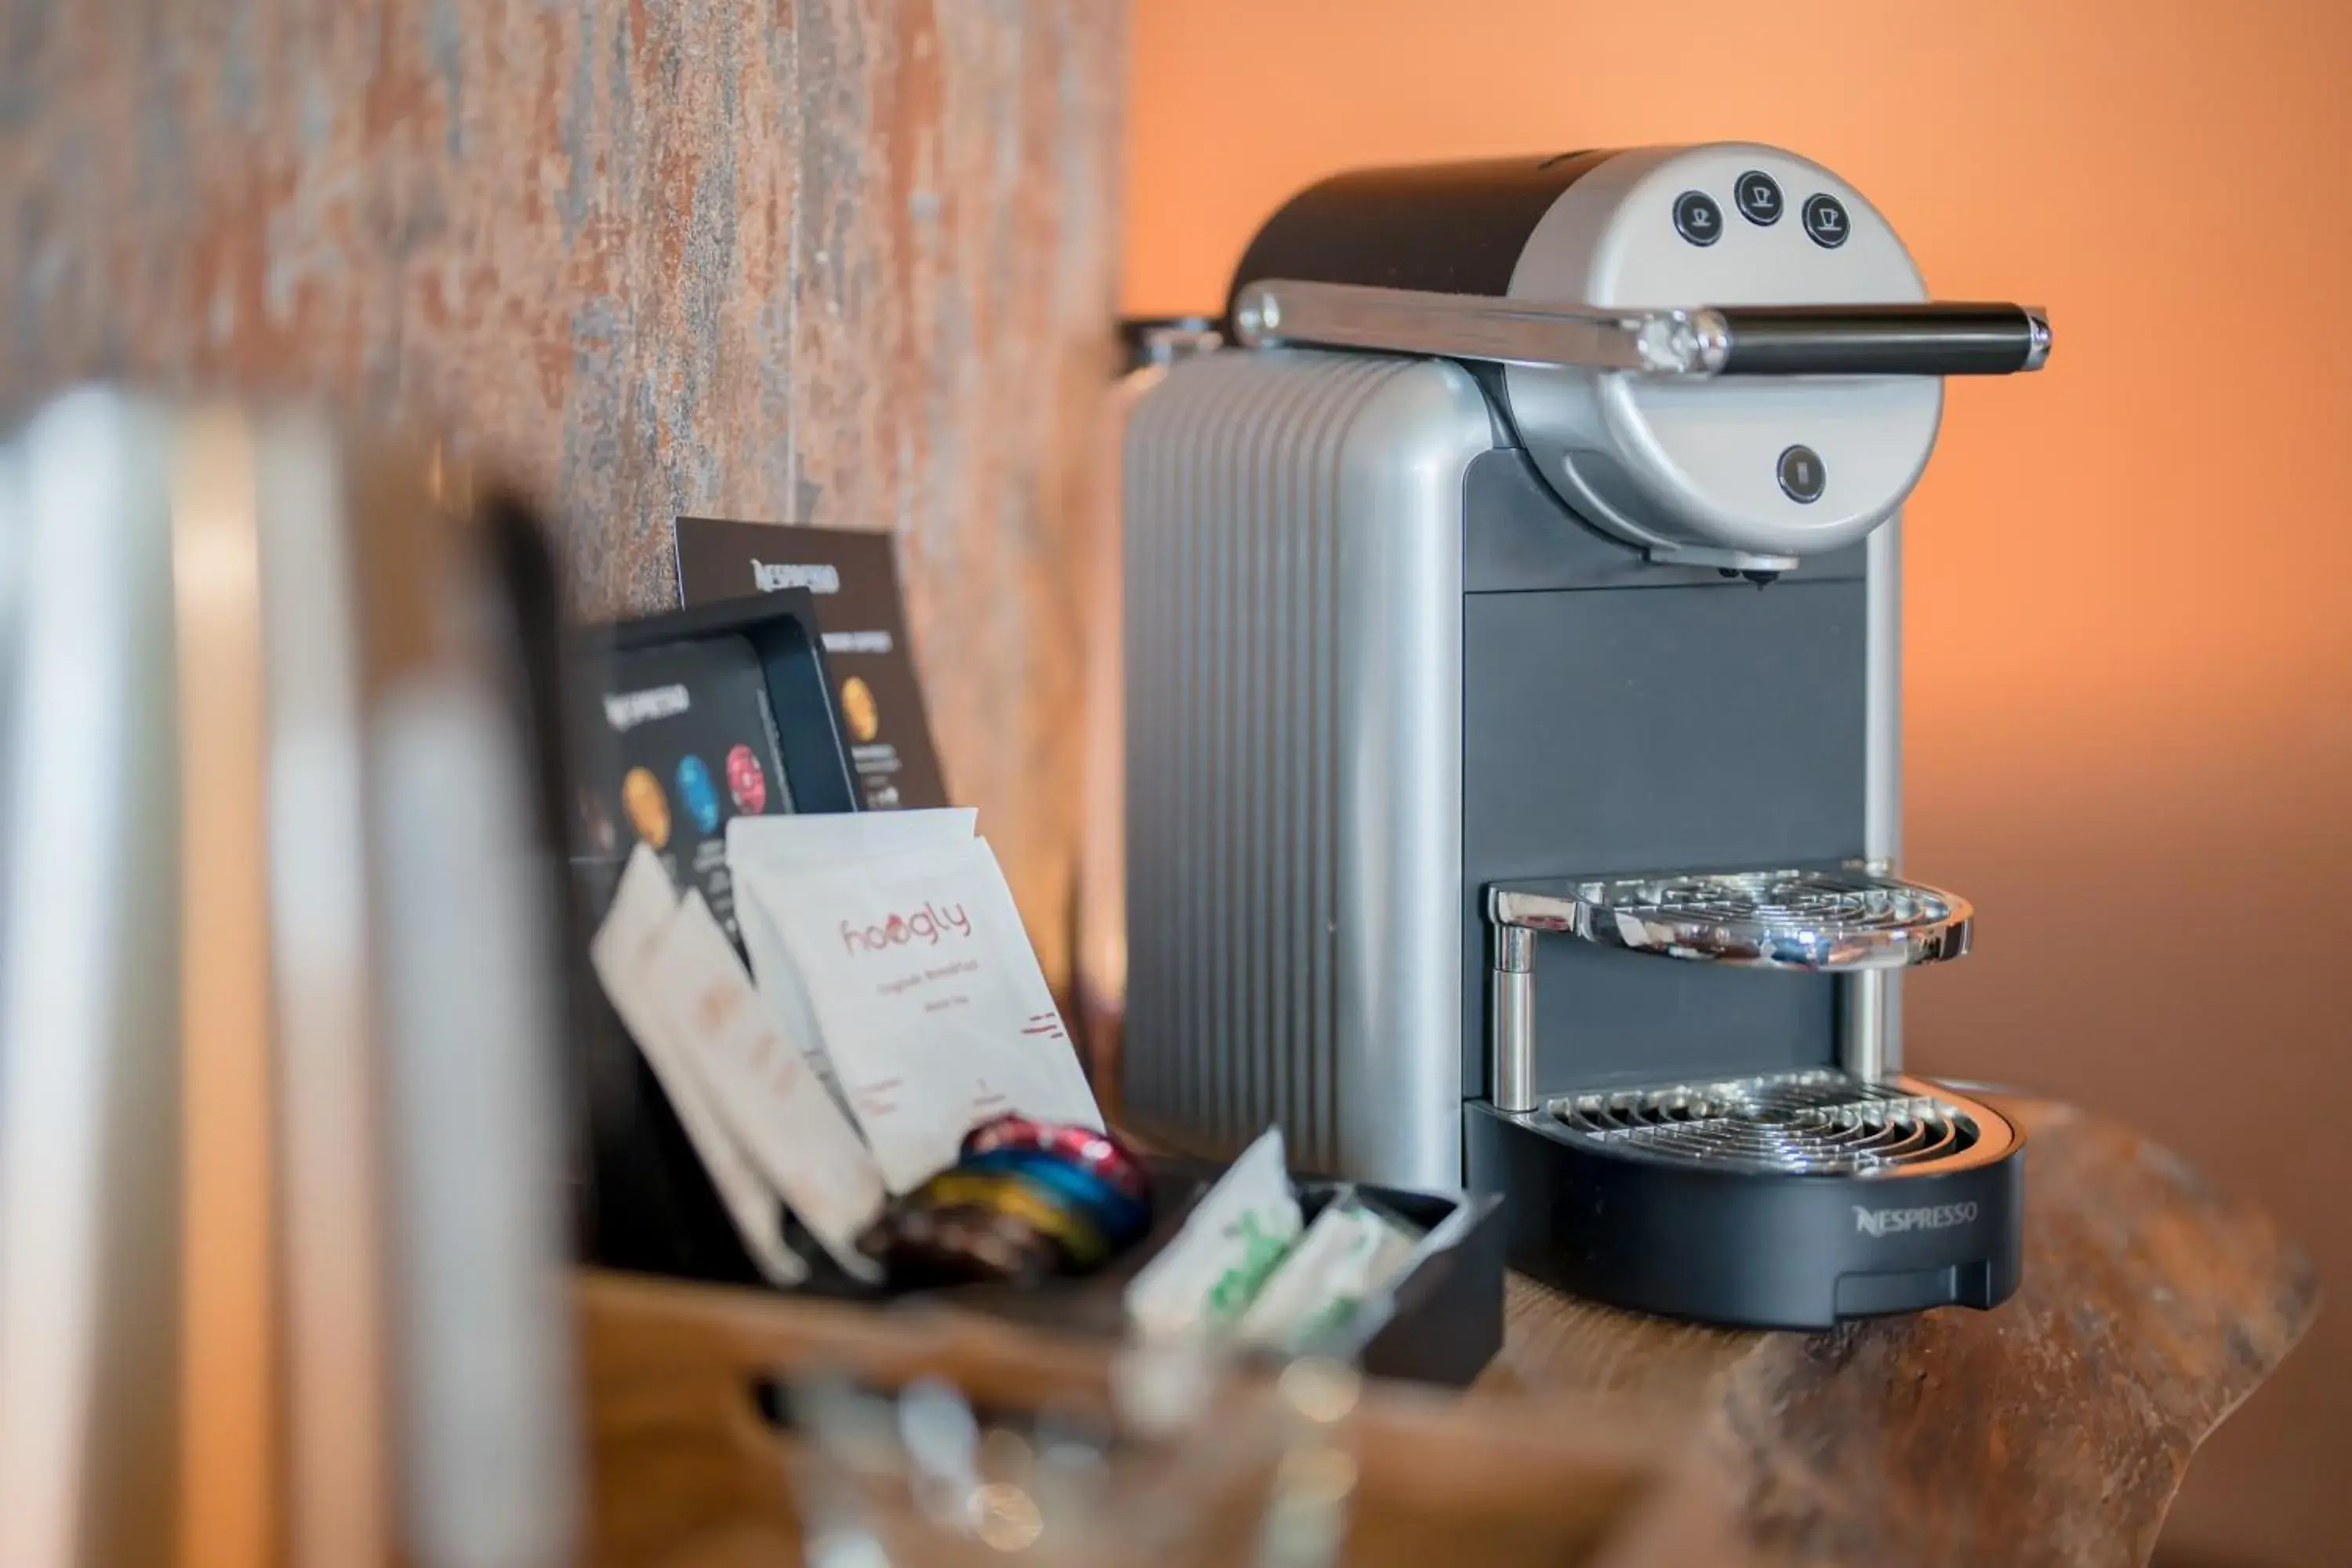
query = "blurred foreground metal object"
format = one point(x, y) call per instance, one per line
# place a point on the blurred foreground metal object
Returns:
point(280, 1216)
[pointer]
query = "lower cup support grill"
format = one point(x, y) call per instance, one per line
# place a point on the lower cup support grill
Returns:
point(1791, 1200)
point(1819, 1122)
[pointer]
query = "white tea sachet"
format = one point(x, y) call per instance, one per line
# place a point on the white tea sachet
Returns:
point(764, 1089)
point(1207, 1277)
point(642, 908)
point(930, 1000)
point(764, 853)
point(1350, 1254)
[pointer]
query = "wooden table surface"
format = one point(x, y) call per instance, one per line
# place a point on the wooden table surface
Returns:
point(2053, 1430)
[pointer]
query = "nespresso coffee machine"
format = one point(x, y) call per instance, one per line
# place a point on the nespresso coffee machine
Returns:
point(1513, 634)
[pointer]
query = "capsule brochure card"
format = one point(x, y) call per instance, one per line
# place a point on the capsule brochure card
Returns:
point(688, 745)
point(928, 997)
point(853, 576)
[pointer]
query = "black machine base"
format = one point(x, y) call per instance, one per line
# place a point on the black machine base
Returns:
point(1743, 1246)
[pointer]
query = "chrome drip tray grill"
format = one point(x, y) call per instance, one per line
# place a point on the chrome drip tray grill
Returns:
point(1818, 1122)
point(1825, 918)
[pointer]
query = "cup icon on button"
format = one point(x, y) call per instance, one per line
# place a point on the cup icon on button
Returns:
point(1825, 221)
point(1697, 218)
point(1758, 195)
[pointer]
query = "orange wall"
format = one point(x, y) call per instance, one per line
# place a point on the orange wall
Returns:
point(2130, 598)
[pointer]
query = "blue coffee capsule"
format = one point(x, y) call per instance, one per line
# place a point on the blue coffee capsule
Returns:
point(1120, 1217)
point(697, 795)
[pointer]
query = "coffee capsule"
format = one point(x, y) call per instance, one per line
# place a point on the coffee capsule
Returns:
point(1121, 1216)
point(1074, 1233)
point(930, 1247)
point(1084, 1146)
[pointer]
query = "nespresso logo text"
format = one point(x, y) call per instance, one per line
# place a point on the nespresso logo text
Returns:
point(817, 578)
point(1888, 1222)
point(930, 925)
point(629, 710)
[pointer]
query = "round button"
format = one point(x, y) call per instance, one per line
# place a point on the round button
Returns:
point(1758, 195)
point(1825, 221)
point(1802, 477)
point(1697, 218)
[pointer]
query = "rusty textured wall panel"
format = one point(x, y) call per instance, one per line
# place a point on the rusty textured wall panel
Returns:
point(840, 261)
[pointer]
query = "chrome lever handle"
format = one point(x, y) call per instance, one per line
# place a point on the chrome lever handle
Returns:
point(1933, 339)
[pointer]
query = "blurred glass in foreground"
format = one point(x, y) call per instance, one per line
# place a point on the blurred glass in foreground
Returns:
point(281, 1218)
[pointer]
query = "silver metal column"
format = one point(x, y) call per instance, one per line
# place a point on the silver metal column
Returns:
point(1512, 997)
point(1870, 1003)
point(1864, 1016)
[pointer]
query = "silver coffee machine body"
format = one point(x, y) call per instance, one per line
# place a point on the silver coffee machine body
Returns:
point(1513, 666)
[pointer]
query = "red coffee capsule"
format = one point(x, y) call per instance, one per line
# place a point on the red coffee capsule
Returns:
point(1099, 1152)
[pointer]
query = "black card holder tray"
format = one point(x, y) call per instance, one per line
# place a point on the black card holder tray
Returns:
point(645, 1204)
point(783, 631)
point(640, 1198)
point(1440, 1323)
